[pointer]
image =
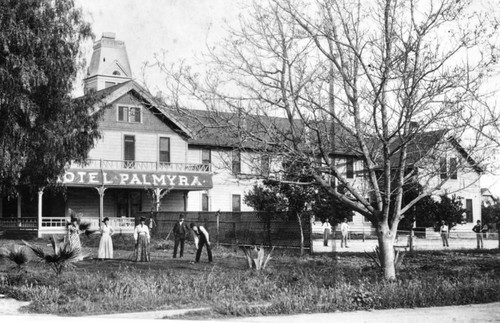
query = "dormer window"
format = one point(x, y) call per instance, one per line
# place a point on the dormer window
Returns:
point(129, 114)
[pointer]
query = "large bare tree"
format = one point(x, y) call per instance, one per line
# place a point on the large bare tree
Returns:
point(388, 83)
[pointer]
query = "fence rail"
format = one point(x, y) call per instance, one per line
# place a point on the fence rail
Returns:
point(58, 224)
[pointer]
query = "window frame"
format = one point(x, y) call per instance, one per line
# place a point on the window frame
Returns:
point(160, 151)
point(236, 162)
point(349, 167)
point(203, 160)
point(453, 168)
point(128, 116)
point(236, 207)
point(205, 202)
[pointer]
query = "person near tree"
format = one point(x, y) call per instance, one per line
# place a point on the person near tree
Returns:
point(444, 232)
point(479, 235)
point(142, 238)
point(344, 230)
point(326, 232)
point(180, 232)
point(201, 238)
point(106, 243)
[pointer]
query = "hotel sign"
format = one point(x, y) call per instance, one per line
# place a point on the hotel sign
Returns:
point(97, 177)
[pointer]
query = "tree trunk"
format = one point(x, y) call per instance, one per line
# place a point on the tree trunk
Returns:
point(301, 235)
point(386, 246)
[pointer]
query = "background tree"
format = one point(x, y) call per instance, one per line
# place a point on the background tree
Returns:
point(491, 215)
point(267, 202)
point(42, 128)
point(387, 83)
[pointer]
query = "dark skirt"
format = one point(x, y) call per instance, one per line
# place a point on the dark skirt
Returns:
point(142, 248)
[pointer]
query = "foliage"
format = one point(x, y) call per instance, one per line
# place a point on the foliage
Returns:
point(449, 210)
point(42, 128)
point(289, 285)
point(16, 255)
point(490, 214)
point(256, 257)
point(328, 208)
point(376, 258)
point(62, 255)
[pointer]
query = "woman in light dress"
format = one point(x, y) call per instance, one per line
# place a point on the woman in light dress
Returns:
point(106, 243)
point(74, 237)
point(141, 237)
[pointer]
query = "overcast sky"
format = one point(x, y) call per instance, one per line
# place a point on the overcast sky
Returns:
point(149, 27)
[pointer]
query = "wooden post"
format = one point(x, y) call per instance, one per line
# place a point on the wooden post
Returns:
point(39, 222)
point(19, 198)
point(217, 214)
point(410, 241)
point(101, 191)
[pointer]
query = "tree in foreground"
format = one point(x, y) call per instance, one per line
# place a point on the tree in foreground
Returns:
point(371, 95)
point(42, 128)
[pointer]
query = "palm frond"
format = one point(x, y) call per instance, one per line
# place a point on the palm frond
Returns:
point(17, 255)
point(84, 226)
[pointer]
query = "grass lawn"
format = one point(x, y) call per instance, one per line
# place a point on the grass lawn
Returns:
point(290, 284)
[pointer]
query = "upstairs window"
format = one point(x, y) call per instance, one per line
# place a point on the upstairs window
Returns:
point(265, 165)
point(453, 168)
point(349, 165)
point(236, 163)
point(443, 169)
point(129, 114)
point(206, 156)
point(164, 151)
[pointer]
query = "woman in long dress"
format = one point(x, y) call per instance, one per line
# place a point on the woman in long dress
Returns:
point(141, 237)
point(74, 237)
point(106, 243)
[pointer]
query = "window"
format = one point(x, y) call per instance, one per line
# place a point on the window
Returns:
point(264, 165)
point(206, 156)
point(116, 73)
point(129, 151)
point(164, 150)
point(453, 168)
point(468, 211)
point(236, 203)
point(443, 168)
point(204, 202)
point(236, 162)
point(349, 167)
point(129, 114)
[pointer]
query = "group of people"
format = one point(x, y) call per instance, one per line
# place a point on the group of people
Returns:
point(142, 238)
point(344, 230)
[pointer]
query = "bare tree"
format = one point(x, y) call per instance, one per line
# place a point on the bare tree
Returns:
point(389, 84)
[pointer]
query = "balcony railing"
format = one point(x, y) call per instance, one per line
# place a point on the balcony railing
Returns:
point(143, 165)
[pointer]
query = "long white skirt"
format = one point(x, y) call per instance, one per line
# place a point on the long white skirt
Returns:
point(105, 247)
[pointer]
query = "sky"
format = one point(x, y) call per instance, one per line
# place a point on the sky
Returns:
point(180, 28)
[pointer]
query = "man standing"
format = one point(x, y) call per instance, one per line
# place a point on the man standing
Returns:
point(479, 234)
point(344, 229)
point(443, 231)
point(180, 233)
point(201, 238)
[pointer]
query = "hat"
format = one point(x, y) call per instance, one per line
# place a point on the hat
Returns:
point(142, 218)
point(181, 216)
point(192, 225)
point(105, 219)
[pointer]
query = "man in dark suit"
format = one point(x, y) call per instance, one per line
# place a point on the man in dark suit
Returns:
point(180, 233)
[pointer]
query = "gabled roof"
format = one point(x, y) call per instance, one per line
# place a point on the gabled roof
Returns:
point(111, 94)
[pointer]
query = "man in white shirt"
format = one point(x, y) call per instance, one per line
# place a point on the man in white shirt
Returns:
point(344, 229)
point(201, 238)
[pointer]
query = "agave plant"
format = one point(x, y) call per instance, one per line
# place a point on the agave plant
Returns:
point(376, 257)
point(62, 255)
point(256, 257)
point(16, 255)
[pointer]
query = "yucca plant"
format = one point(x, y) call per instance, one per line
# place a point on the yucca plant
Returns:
point(16, 255)
point(62, 255)
point(256, 257)
point(376, 257)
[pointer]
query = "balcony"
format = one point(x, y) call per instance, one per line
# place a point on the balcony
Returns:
point(143, 166)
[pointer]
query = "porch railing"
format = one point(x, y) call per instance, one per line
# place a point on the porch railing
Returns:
point(143, 165)
point(56, 224)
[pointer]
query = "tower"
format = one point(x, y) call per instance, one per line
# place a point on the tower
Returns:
point(109, 64)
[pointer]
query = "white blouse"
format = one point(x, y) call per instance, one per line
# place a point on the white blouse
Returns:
point(141, 229)
point(106, 229)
